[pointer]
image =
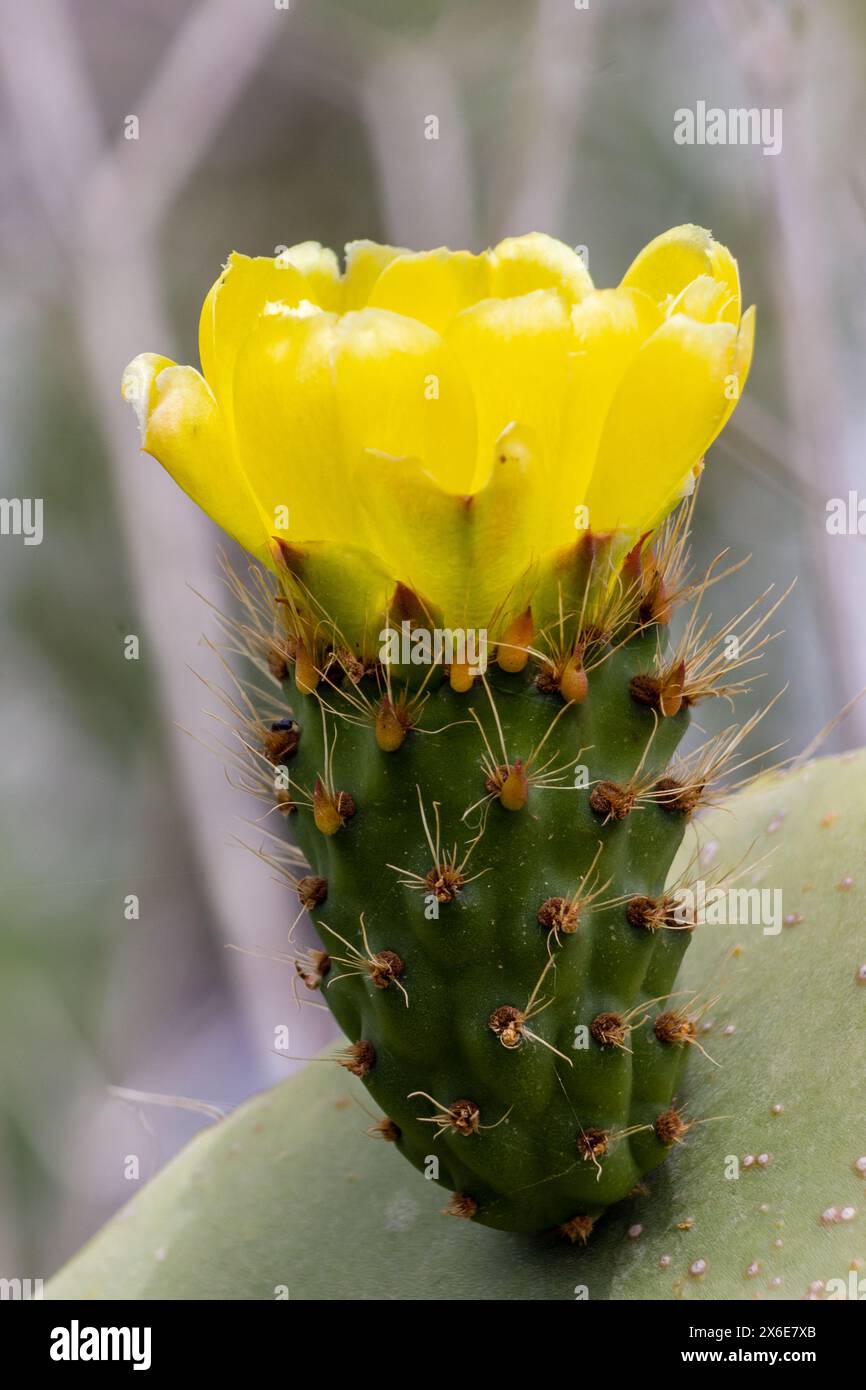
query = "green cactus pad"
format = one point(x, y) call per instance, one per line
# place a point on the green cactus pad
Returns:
point(290, 1194)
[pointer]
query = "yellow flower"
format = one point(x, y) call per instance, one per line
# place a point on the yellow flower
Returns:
point(445, 420)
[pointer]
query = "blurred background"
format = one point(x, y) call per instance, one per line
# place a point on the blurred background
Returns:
point(261, 123)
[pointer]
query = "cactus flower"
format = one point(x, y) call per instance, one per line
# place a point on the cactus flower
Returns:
point(447, 420)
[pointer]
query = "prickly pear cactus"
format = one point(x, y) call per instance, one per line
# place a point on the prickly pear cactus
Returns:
point(487, 882)
point(485, 866)
point(766, 1202)
point(470, 481)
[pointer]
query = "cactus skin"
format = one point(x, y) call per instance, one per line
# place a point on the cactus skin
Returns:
point(487, 949)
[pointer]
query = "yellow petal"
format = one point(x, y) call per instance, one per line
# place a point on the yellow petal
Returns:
point(521, 264)
point(138, 385)
point(320, 268)
point(232, 309)
point(465, 554)
point(182, 427)
point(673, 260)
point(365, 261)
point(724, 267)
point(288, 435)
point(669, 407)
point(742, 363)
point(432, 286)
point(609, 327)
point(401, 390)
point(515, 354)
point(706, 299)
point(745, 346)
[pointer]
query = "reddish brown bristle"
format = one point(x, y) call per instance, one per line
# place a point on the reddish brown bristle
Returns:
point(578, 1228)
point(592, 1143)
point(670, 1126)
point(312, 891)
point(280, 741)
point(674, 1027)
point(358, 1058)
point(608, 1030)
point(385, 967)
point(611, 801)
point(507, 1023)
point(461, 1205)
point(444, 882)
point(559, 915)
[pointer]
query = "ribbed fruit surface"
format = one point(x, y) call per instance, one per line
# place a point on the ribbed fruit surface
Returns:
point(478, 1007)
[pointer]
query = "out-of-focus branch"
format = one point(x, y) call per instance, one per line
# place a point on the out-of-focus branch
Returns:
point(108, 207)
point(42, 90)
point(774, 62)
point(549, 91)
point(425, 183)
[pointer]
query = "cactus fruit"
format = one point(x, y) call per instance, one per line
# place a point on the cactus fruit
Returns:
point(305, 1201)
point(487, 878)
point(467, 956)
point(472, 496)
